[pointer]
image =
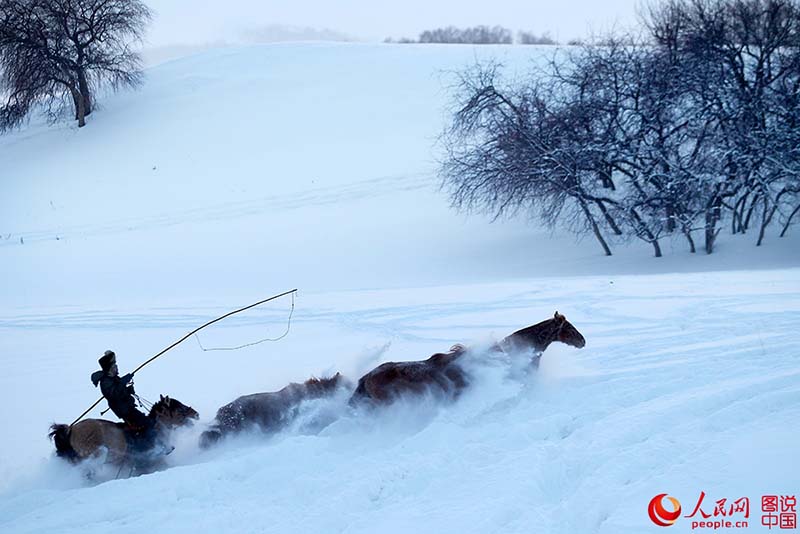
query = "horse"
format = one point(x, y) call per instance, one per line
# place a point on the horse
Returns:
point(538, 337)
point(271, 411)
point(443, 376)
point(438, 374)
point(90, 438)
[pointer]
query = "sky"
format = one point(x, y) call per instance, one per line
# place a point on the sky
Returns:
point(193, 22)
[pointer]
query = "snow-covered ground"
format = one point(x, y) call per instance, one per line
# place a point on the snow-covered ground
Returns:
point(239, 173)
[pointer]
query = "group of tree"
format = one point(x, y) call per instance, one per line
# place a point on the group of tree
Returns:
point(474, 35)
point(691, 127)
point(55, 54)
point(478, 35)
point(529, 38)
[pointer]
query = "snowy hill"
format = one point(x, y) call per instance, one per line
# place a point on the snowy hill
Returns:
point(238, 173)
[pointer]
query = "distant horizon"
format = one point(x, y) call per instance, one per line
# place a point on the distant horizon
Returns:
point(200, 23)
point(157, 53)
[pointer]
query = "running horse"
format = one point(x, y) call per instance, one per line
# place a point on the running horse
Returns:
point(270, 411)
point(90, 438)
point(443, 376)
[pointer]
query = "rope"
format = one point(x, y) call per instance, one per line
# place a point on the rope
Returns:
point(288, 326)
point(187, 336)
point(184, 338)
point(144, 403)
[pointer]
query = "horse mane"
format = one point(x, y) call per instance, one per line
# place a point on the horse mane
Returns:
point(537, 336)
point(160, 404)
point(324, 383)
point(542, 334)
point(60, 436)
point(155, 407)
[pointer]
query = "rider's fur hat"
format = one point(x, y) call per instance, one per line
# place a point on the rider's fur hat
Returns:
point(107, 360)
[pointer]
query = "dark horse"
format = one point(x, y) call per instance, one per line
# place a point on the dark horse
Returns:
point(92, 437)
point(271, 411)
point(441, 374)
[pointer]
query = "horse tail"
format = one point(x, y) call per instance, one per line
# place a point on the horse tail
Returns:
point(60, 435)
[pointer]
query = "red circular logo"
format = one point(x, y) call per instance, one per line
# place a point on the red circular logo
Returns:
point(659, 515)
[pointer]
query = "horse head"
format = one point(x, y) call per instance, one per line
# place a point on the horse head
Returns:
point(539, 336)
point(172, 412)
point(567, 333)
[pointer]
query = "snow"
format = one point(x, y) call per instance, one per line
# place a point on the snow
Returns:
point(239, 173)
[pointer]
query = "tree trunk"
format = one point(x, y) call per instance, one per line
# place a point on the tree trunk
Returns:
point(609, 219)
point(738, 215)
point(765, 220)
point(605, 177)
point(710, 231)
point(650, 238)
point(670, 213)
point(750, 213)
point(789, 220)
point(712, 216)
point(657, 248)
point(83, 87)
point(595, 228)
point(75, 98)
point(688, 233)
point(80, 106)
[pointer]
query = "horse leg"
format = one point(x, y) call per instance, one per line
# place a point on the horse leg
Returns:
point(459, 379)
point(88, 474)
point(146, 466)
point(121, 465)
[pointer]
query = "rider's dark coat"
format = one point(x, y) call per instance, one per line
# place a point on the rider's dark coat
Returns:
point(118, 391)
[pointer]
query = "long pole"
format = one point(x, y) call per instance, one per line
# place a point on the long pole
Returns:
point(187, 336)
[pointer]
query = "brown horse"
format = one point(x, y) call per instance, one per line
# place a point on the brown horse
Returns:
point(269, 412)
point(442, 375)
point(538, 337)
point(92, 437)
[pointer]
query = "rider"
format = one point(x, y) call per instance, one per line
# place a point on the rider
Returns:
point(119, 393)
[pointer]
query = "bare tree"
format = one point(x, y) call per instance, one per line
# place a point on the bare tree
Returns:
point(643, 138)
point(740, 60)
point(509, 150)
point(57, 51)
